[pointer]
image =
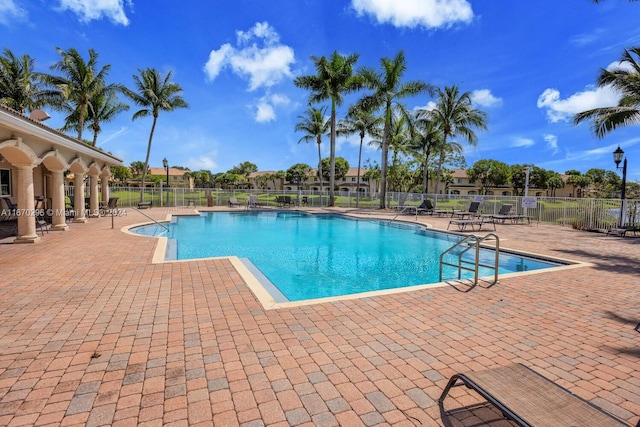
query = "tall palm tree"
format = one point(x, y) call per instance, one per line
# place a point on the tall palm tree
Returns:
point(316, 126)
point(388, 90)
point(335, 77)
point(154, 94)
point(80, 81)
point(20, 87)
point(626, 80)
point(425, 140)
point(454, 115)
point(363, 122)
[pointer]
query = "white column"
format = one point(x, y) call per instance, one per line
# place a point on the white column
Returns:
point(26, 205)
point(93, 196)
point(58, 221)
point(78, 198)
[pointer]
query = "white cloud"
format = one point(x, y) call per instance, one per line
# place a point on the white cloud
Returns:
point(258, 56)
point(431, 105)
point(587, 38)
point(416, 13)
point(563, 109)
point(89, 10)
point(217, 60)
point(265, 107)
point(552, 143)
point(264, 112)
point(205, 162)
point(10, 11)
point(484, 98)
point(523, 142)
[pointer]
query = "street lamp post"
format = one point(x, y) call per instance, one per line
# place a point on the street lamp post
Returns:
point(165, 163)
point(617, 158)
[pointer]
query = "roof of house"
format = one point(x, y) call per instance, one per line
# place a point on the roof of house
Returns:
point(163, 171)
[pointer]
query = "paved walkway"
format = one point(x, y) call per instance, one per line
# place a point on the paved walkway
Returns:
point(91, 332)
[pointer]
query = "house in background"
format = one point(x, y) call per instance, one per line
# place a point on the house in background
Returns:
point(180, 178)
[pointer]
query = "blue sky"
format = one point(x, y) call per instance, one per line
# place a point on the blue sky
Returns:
point(529, 65)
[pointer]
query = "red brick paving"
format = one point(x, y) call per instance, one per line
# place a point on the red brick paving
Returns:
point(92, 333)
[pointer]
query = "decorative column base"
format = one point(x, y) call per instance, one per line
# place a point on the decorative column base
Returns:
point(82, 220)
point(59, 227)
point(26, 239)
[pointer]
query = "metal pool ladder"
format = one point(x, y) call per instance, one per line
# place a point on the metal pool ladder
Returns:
point(468, 243)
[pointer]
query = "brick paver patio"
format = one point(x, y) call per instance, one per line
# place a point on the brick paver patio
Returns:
point(92, 333)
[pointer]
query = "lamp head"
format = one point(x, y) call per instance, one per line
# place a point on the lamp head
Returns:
point(165, 162)
point(618, 155)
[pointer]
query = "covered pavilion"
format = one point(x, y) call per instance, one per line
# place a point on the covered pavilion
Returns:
point(33, 160)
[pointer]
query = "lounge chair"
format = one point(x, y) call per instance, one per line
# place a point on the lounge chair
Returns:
point(283, 201)
point(471, 222)
point(472, 211)
point(253, 202)
point(503, 214)
point(233, 202)
point(426, 207)
point(530, 399)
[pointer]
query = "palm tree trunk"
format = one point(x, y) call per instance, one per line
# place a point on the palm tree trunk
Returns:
point(146, 160)
point(440, 162)
point(320, 165)
point(332, 162)
point(358, 178)
point(385, 157)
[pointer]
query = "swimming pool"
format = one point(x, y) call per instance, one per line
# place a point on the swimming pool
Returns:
point(307, 256)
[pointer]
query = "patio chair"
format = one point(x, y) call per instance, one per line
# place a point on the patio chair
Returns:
point(503, 214)
point(471, 212)
point(12, 208)
point(425, 207)
point(253, 202)
point(233, 202)
point(530, 399)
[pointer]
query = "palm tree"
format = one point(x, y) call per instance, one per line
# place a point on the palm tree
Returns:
point(626, 80)
point(454, 115)
point(388, 90)
point(103, 107)
point(79, 84)
point(363, 122)
point(20, 87)
point(316, 126)
point(425, 139)
point(334, 79)
point(154, 94)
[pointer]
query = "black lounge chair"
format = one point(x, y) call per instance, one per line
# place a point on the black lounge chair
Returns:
point(12, 208)
point(530, 399)
point(233, 202)
point(471, 212)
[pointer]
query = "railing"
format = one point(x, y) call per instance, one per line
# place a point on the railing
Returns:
point(472, 242)
point(581, 213)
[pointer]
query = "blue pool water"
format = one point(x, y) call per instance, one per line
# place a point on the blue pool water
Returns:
point(312, 256)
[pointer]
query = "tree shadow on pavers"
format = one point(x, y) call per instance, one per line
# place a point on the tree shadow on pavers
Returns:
point(479, 414)
point(630, 323)
point(607, 261)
